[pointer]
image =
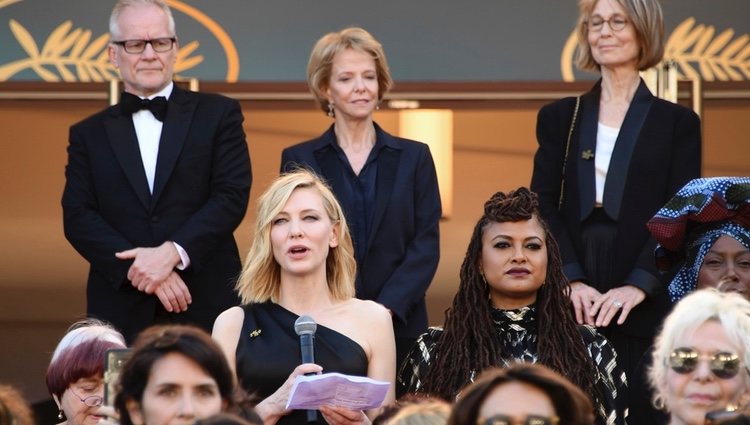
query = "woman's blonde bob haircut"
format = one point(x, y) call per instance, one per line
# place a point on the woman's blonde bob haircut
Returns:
point(261, 277)
point(730, 310)
point(320, 65)
point(647, 19)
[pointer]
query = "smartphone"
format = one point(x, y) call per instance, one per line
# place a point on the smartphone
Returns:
point(114, 359)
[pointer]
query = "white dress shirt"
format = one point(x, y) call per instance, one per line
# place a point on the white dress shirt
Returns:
point(148, 130)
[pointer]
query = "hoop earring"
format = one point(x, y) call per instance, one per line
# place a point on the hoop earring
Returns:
point(330, 110)
point(659, 403)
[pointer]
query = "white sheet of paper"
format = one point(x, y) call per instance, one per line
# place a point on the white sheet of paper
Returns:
point(353, 392)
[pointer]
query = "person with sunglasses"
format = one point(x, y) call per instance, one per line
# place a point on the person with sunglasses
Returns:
point(703, 236)
point(701, 356)
point(75, 376)
point(522, 394)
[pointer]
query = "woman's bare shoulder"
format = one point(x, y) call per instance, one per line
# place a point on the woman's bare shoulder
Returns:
point(367, 308)
point(229, 320)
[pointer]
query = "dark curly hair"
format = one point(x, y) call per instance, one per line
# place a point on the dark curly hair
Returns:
point(469, 344)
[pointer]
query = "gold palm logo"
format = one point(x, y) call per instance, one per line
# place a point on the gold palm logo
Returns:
point(696, 49)
point(72, 54)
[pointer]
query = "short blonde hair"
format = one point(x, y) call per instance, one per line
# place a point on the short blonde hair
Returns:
point(321, 61)
point(261, 277)
point(730, 310)
point(648, 21)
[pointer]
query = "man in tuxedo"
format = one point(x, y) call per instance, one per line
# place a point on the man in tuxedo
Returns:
point(156, 185)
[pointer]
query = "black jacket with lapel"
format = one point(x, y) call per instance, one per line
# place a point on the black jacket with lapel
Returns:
point(201, 190)
point(657, 151)
point(404, 246)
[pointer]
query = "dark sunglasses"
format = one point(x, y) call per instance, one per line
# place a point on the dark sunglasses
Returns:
point(501, 419)
point(685, 360)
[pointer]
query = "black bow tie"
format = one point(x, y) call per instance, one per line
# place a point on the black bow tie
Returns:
point(131, 104)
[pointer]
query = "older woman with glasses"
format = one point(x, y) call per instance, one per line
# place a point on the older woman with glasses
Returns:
point(701, 357)
point(607, 161)
point(75, 376)
point(704, 240)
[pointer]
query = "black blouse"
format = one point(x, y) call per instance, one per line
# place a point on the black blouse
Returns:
point(517, 331)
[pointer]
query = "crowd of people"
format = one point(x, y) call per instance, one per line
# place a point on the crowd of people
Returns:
point(613, 290)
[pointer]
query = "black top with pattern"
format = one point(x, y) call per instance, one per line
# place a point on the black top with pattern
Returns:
point(517, 330)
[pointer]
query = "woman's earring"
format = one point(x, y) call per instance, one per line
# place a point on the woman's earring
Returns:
point(60, 414)
point(659, 403)
point(330, 110)
point(486, 287)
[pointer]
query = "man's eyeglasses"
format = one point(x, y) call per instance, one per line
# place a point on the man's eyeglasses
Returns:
point(685, 360)
point(160, 45)
point(501, 419)
point(90, 401)
point(616, 23)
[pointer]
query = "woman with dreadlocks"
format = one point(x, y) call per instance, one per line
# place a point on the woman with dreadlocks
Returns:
point(512, 306)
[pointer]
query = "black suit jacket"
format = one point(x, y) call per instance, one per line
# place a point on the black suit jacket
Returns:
point(200, 195)
point(657, 151)
point(404, 247)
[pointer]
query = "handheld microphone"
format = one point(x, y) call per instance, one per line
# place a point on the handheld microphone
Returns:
point(305, 327)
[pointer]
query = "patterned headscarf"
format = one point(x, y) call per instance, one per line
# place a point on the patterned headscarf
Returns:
point(689, 224)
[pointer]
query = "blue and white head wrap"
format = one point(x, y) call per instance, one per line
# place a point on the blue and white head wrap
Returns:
point(686, 279)
point(689, 224)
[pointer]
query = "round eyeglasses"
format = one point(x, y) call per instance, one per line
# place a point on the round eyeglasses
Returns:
point(501, 419)
point(616, 23)
point(160, 45)
point(685, 360)
point(90, 401)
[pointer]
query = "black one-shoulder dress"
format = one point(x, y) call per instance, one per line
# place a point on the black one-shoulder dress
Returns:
point(268, 351)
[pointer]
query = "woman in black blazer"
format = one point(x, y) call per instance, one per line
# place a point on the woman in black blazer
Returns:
point(387, 185)
point(605, 166)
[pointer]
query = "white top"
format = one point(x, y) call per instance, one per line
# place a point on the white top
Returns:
point(605, 143)
point(148, 130)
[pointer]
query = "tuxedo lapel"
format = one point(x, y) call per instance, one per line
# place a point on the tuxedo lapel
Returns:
point(617, 172)
point(122, 137)
point(587, 144)
point(174, 131)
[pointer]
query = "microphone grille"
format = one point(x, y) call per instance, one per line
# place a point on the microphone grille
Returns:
point(305, 325)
